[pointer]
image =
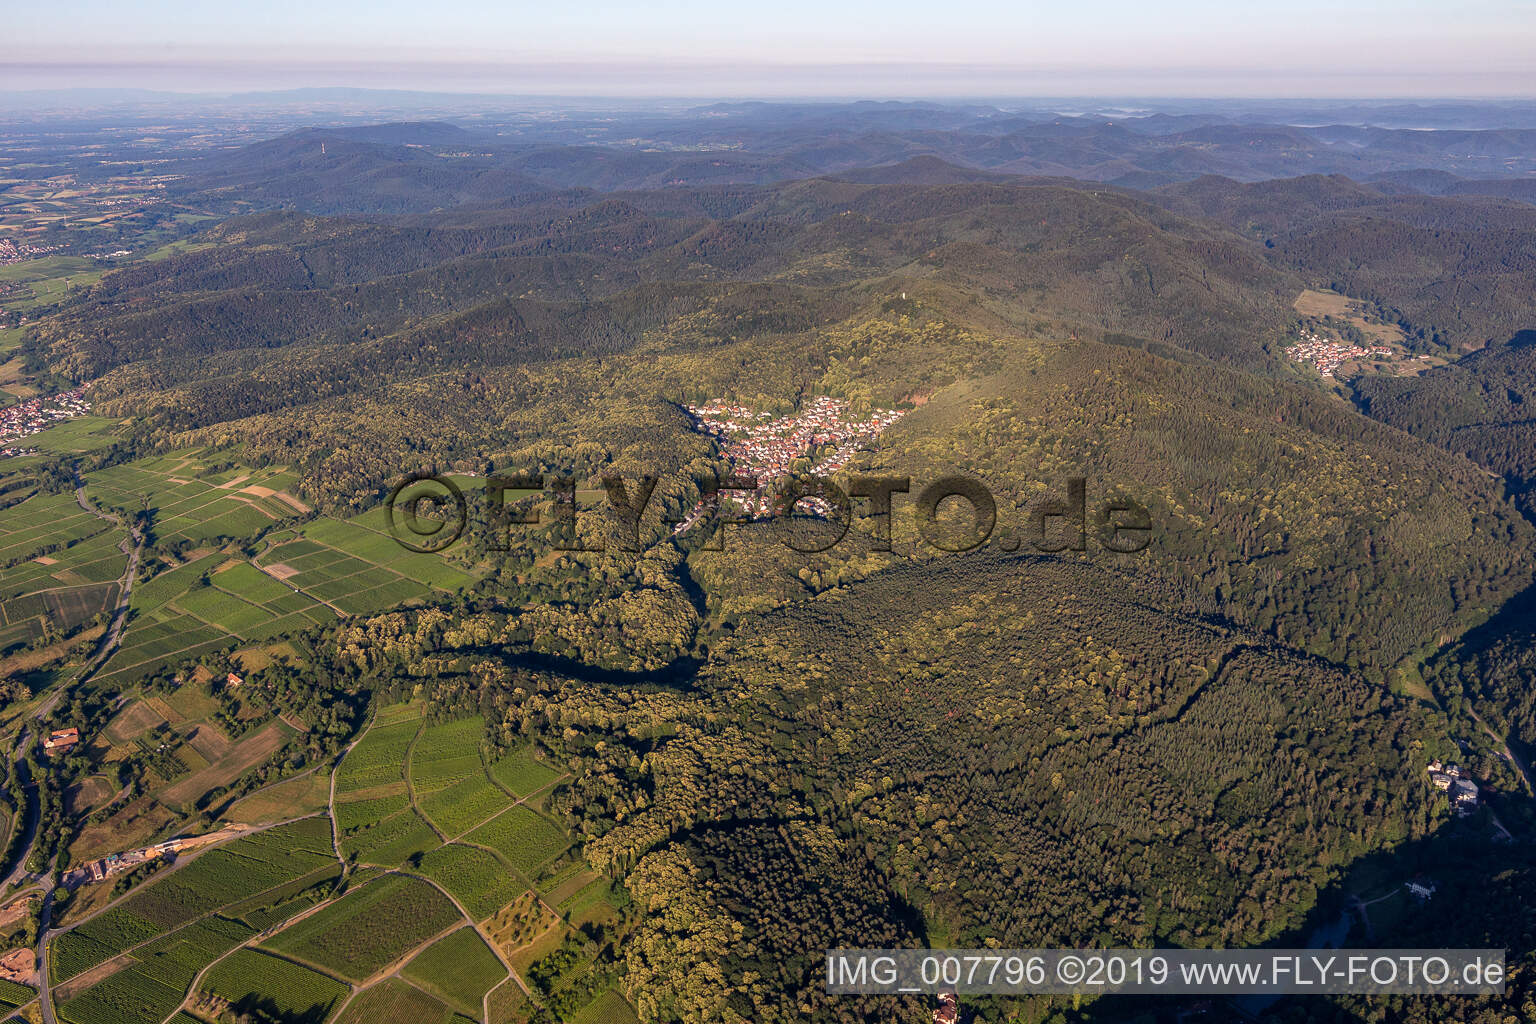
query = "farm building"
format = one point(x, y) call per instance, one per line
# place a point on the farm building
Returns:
point(61, 740)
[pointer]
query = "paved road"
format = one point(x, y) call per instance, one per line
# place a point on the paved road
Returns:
point(1509, 755)
point(44, 990)
point(34, 812)
point(132, 546)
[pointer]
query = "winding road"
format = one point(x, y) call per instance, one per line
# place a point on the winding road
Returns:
point(31, 816)
point(1521, 768)
point(131, 546)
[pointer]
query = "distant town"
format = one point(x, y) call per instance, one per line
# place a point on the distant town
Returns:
point(36, 415)
point(1326, 355)
point(761, 445)
point(15, 252)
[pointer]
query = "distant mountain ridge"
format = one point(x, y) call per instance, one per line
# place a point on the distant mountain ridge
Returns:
point(924, 144)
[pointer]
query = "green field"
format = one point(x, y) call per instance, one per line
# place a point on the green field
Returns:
point(157, 632)
point(158, 640)
point(393, 1001)
point(474, 876)
point(519, 771)
point(192, 497)
point(76, 436)
point(447, 753)
point(179, 616)
point(353, 816)
point(379, 757)
point(463, 805)
point(277, 905)
point(608, 1008)
point(355, 565)
point(179, 247)
point(371, 540)
point(393, 840)
point(245, 602)
point(527, 839)
point(127, 997)
point(351, 584)
point(154, 594)
point(13, 995)
point(47, 280)
point(451, 789)
point(148, 990)
point(249, 976)
point(44, 524)
point(391, 714)
point(320, 569)
point(373, 809)
point(459, 969)
point(369, 928)
point(448, 777)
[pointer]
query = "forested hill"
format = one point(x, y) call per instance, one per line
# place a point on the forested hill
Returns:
point(763, 752)
point(349, 168)
point(1020, 747)
point(1102, 262)
point(1453, 272)
point(1483, 406)
point(341, 170)
point(1054, 331)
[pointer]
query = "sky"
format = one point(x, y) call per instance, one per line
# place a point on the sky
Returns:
point(792, 48)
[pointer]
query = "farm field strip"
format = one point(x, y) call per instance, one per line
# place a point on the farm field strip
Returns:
point(223, 606)
point(346, 567)
point(371, 806)
point(396, 1001)
point(190, 502)
point(524, 838)
point(359, 567)
point(221, 876)
point(132, 661)
point(449, 784)
point(66, 607)
point(379, 755)
point(343, 580)
point(97, 559)
point(329, 953)
point(458, 808)
point(459, 969)
point(393, 840)
point(14, 994)
point(477, 878)
point(293, 989)
point(152, 987)
point(519, 772)
point(369, 928)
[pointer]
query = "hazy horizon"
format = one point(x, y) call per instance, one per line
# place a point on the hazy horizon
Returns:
point(795, 49)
